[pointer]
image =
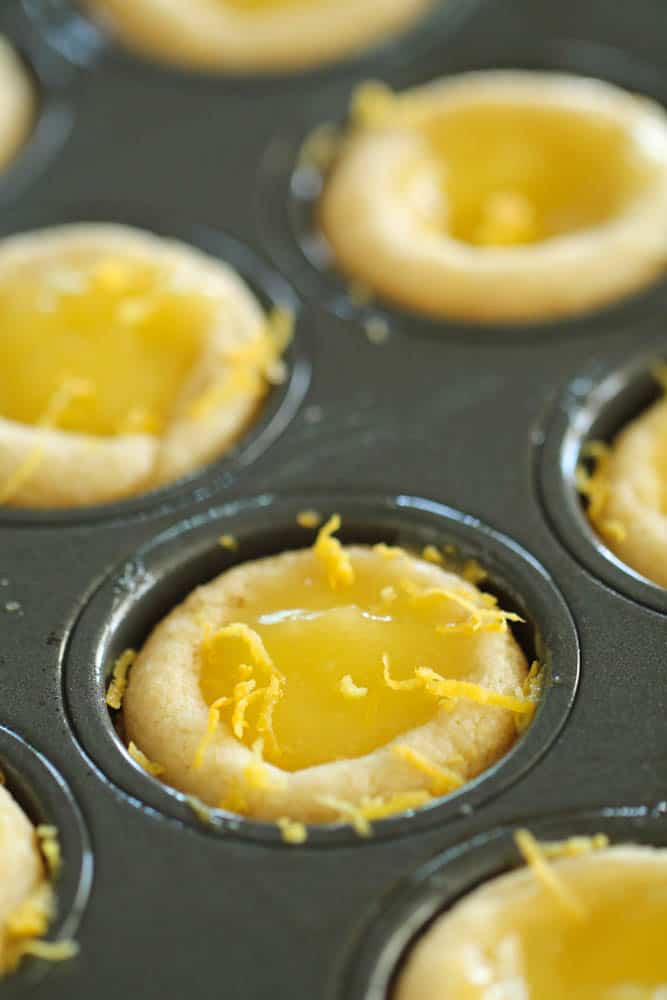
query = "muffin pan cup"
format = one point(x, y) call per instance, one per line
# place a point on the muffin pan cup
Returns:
point(443, 433)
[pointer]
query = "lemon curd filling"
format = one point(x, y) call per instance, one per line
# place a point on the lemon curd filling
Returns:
point(108, 343)
point(264, 6)
point(521, 175)
point(323, 666)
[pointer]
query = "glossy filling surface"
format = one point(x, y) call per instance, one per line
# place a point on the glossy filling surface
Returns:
point(520, 175)
point(328, 646)
point(268, 6)
point(99, 347)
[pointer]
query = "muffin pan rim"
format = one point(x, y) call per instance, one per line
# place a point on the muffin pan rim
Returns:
point(90, 639)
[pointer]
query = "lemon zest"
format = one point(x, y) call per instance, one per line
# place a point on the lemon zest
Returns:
point(49, 845)
point(487, 618)
point(211, 726)
point(70, 389)
point(432, 555)
point(443, 780)
point(332, 555)
point(142, 760)
point(533, 855)
point(308, 519)
point(118, 685)
point(347, 812)
point(349, 689)
point(380, 808)
point(228, 542)
point(292, 831)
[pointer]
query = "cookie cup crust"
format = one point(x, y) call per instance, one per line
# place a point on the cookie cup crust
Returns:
point(166, 715)
point(379, 236)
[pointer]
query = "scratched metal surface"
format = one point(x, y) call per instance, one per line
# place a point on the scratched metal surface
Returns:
point(478, 421)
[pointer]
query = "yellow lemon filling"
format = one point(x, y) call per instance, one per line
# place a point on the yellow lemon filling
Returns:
point(520, 175)
point(117, 336)
point(262, 6)
point(334, 663)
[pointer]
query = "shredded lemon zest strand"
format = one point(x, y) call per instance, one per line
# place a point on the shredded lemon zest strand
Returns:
point(443, 780)
point(49, 845)
point(349, 689)
point(142, 760)
point(575, 847)
point(333, 557)
point(443, 687)
point(250, 365)
point(487, 618)
point(380, 808)
point(432, 555)
point(372, 104)
point(389, 551)
point(348, 813)
point(69, 390)
point(228, 542)
point(308, 519)
point(200, 809)
point(211, 726)
point(119, 677)
point(534, 857)
point(292, 831)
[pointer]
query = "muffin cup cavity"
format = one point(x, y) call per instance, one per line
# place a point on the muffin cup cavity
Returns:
point(280, 405)
point(595, 406)
point(139, 593)
point(290, 188)
point(396, 923)
point(45, 798)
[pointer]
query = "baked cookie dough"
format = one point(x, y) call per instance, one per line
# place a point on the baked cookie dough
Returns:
point(500, 195)
point(590, 926)
point(247, 35)
point(17, 103)
point(26, 893)
point(128, 361)
point(627, 493)
point(331, 683)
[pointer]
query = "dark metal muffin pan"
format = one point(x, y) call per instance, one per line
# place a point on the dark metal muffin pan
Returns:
point(445, 432)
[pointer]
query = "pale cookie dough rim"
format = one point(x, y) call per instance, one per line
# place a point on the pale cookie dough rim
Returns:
point(288, 194)
point(594, 405)
point(55, 91)
point(133, 598)
point(46, 798)
point(275, 414)
point(80, 39)
point(393, 924)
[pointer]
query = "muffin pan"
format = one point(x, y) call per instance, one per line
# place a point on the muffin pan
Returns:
point(445, 433)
